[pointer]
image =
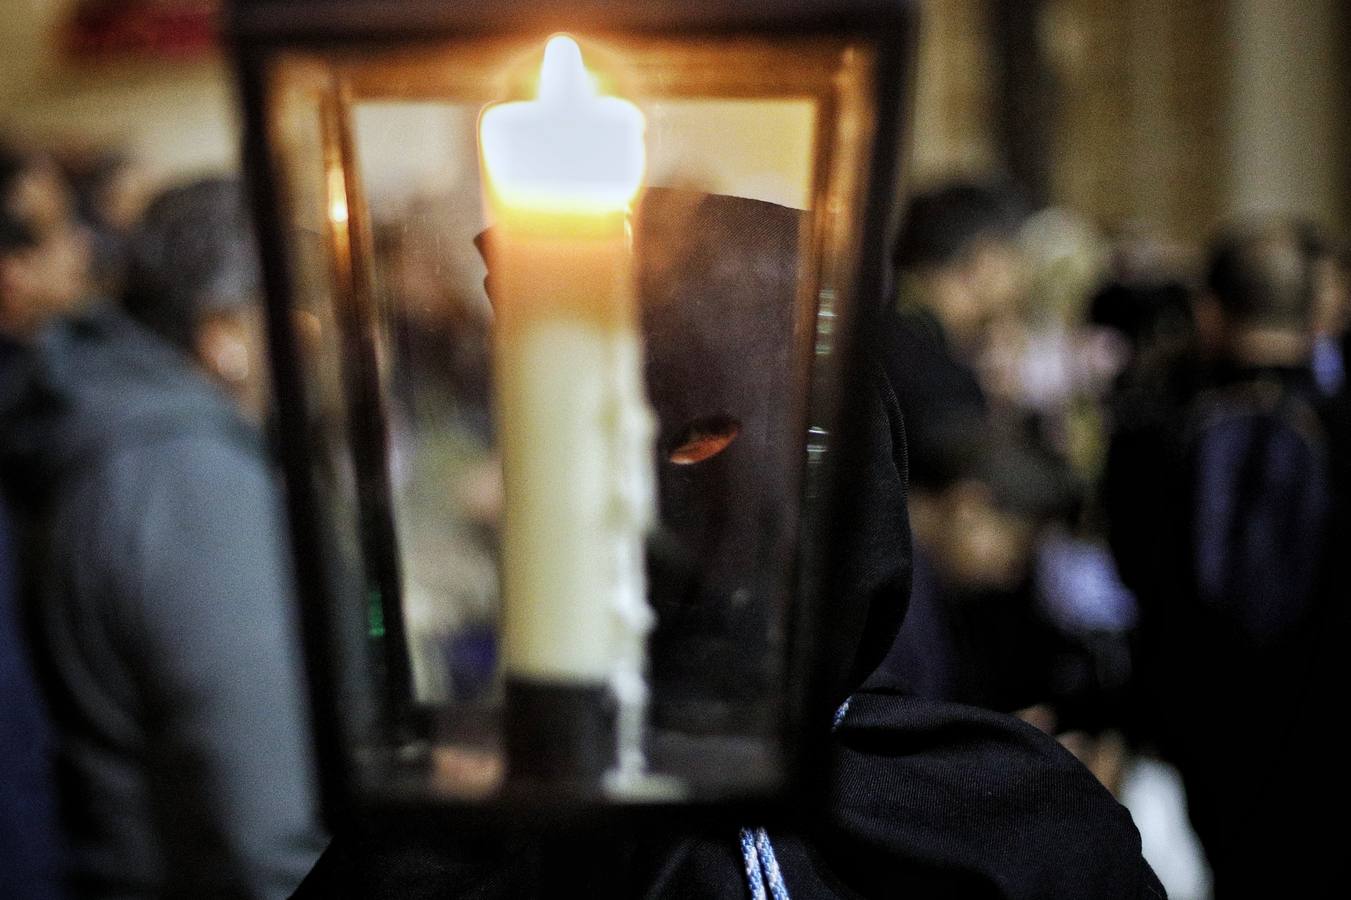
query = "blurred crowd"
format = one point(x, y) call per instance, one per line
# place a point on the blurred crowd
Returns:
point(1128, 477)
point(1127, 487)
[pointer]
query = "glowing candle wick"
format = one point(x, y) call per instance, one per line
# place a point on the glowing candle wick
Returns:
point(563, 78)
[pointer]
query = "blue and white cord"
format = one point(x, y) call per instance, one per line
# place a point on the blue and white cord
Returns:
point(762, 866)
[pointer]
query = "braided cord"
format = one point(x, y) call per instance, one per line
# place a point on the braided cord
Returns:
point(755, 876)
point(757, 853)
point(840, 714)
point(770, 863)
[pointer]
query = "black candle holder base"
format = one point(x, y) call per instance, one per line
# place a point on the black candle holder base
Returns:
point(559, 733)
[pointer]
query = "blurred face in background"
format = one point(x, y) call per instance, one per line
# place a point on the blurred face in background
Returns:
point(996, 273)
point(1209, 325)
point(973, 543)
point(1332, 297)
point(984, 284)
point(231, 345)
point(124, 195)
point(50, 276)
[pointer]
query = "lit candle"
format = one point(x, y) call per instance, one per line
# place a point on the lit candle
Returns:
point(575, 428)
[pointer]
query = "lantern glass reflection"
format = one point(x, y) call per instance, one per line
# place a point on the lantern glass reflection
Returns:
point(742, 241)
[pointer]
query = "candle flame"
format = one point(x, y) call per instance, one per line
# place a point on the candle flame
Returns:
point(563, 76)
point(568, 151)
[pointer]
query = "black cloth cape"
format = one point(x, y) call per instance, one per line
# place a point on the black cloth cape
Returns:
point(925, 799)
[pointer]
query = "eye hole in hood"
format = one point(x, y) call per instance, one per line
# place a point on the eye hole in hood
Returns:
point(702, 439)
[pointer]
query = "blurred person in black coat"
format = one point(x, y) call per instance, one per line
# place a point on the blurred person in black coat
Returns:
point(1227, 497)
point(972, 633)
point(958, 264)
point(29, 843)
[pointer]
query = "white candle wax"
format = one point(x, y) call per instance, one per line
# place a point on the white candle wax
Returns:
point(575, 428)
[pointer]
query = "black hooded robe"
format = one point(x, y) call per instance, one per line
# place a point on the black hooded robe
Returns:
point(926, 799)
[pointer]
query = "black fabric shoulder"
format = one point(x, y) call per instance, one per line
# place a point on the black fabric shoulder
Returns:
point(939, 800)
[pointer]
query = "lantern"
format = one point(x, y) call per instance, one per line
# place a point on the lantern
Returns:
point(559, 299)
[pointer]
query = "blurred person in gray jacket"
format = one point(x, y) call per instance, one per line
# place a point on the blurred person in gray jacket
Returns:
point(163, 595)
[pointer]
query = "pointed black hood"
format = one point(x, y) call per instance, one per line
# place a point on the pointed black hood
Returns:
point(726, 339)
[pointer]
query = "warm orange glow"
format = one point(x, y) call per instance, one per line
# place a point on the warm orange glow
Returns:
point(337, 197)
point(567, 152)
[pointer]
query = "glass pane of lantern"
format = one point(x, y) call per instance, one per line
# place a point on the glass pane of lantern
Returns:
point(417, 163)
point(738, 243)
